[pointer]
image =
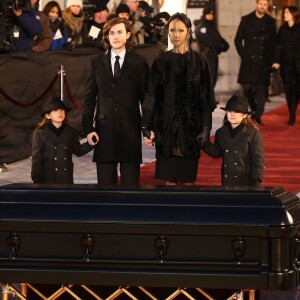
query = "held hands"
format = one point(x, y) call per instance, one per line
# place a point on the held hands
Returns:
point(93, 138)
point(203, 136)
point(18, 12)
point(276, 66)
point(149, 137)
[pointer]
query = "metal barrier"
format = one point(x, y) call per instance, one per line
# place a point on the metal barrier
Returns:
point(133, 293)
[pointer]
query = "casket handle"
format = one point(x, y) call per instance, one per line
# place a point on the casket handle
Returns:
point(87, 245)
point(13, 243)
point(238, 248)
point(297, 249)
point(161, 245)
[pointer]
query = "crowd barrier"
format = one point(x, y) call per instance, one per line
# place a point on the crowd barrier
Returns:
point(27, 79)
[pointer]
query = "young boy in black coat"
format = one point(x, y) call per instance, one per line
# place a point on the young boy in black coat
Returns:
point(53, 144)
point(115, 88)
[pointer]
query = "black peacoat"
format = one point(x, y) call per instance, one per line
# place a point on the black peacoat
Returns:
point(255, 42)
point(288, 51)
point(52, 155)
point(117, 103)
point(242, 156)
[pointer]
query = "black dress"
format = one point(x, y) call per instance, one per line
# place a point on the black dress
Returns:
point(181, 99)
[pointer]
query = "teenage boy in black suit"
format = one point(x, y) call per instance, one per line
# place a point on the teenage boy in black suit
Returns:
point(115, 87)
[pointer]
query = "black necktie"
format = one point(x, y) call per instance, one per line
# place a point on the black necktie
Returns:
point(117, 67)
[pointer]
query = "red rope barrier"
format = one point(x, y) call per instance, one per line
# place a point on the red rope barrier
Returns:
point(75, 103)
point(34, 101)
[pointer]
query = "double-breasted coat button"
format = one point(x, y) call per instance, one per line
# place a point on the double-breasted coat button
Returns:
point(56, 169)
point(55, 158)
point(65, 169)
point(225, 165)
point(235, 151)
point(115, 109)
point(235, 177)
point(66, 147)
point(235, 164)
point(226, 150)
point(225, 176)
point(55, 147)
point(65, 158)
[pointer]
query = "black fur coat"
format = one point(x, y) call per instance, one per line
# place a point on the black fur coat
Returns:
point(179, 102)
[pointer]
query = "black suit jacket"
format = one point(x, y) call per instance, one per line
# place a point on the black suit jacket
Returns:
point(117, 118)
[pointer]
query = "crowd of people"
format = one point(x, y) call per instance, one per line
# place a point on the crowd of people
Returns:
point(176, 95)
point(79, 25)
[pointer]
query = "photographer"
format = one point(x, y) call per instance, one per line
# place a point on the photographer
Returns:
point(142, 26)
point(25, 27)
point(153, 27)
point(156, 29)
point(95, 24)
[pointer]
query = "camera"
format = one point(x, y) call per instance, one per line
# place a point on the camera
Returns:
point(7, 22)
point(7, 6)
point(88, 9)
point(149, 11)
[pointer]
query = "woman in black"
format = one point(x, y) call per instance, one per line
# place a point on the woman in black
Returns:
point(177, 110)
point(288, 59)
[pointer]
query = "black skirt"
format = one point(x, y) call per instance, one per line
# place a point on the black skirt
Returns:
point(182, 169)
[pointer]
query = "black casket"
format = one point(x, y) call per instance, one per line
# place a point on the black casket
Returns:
point(153, 236)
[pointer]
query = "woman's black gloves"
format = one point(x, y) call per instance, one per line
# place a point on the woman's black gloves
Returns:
point(203, 136)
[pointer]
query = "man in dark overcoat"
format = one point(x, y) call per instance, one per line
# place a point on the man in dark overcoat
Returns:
point(115, 89)
point(255, 43)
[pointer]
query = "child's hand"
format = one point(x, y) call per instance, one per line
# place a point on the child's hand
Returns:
point(149, 140)
point(93, 138)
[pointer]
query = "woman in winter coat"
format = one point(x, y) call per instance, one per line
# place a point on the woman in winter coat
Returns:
point(75, 28)
point(53, 11)
point(53, 144)
point(288, 59)
point(240, 145)
point(177, 110)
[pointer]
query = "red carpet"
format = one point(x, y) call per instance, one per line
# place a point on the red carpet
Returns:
point(282, 154)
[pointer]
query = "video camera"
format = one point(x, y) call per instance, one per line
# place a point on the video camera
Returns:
point(88, 9)
point(7, 6)
point(7, 22)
